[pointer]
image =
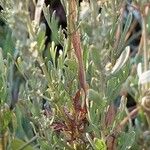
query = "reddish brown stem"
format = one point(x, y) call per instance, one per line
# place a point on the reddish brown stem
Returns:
point(75, 39)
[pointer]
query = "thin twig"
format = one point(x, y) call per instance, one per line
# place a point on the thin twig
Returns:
point(126, 119)
point(76, 42)
point(38, 11)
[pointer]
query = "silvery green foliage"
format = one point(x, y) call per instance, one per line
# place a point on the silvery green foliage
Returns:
point(63, 124)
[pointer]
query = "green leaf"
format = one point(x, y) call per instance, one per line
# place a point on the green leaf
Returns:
point(96, 58)
point(86, 56)
point(100, 144)
point(53, 50)
point(2, 66)
point(95, 97)
point(45, 145)
point(121, 44)
point(19, 117)
point(41, 37)
point(127, 25)
point(5, 118)
point(115, 82)
point(18, 144)
point(121, 60)
point(52, 23)
point(126, 140)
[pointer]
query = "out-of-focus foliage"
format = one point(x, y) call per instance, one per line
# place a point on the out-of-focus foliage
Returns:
point(42, 75)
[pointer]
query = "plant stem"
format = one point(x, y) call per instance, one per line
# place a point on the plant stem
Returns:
point(144, 46)
point(69, 29)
